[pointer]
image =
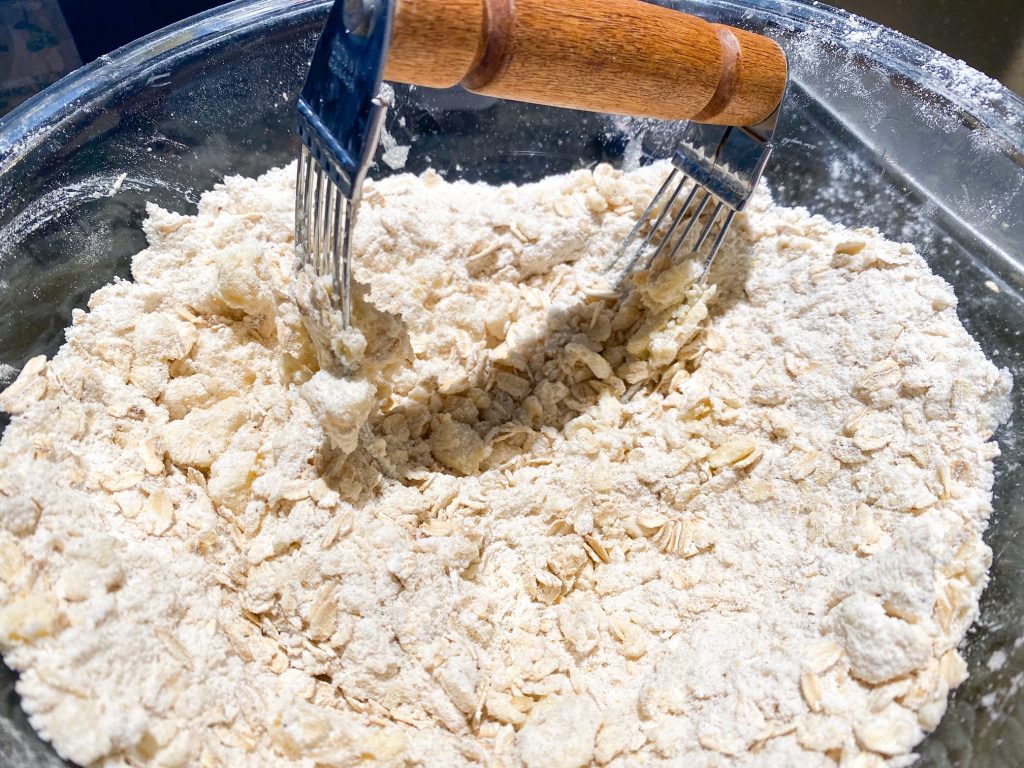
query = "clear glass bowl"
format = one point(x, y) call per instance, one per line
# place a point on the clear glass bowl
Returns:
point(879, 130)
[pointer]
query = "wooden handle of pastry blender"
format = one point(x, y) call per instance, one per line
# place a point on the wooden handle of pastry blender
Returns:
point(621, 56)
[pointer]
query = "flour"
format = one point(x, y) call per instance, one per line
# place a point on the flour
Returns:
point(527, 524)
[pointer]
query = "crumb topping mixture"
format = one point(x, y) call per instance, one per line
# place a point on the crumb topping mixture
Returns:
point(732, 525)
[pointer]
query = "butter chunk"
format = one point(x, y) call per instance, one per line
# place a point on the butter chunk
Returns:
point(341, 406)
point(457, 446)
point(201, 436)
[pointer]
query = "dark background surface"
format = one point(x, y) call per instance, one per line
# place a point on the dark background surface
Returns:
point(988, 34)
point(100, 26)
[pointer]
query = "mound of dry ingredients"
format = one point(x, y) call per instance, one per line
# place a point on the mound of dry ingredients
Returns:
point(732, 526)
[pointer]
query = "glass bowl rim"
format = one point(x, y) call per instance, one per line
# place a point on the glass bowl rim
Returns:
point(33, 121)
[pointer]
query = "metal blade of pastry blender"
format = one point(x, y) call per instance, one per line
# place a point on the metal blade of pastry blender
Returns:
point(724, 164)
point(340, 115)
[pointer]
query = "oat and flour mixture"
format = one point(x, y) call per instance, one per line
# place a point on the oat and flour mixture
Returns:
point(732, 526)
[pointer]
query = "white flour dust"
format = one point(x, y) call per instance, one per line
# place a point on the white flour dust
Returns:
point(727, 526)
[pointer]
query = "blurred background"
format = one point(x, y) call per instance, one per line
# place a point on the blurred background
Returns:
point(41, 40)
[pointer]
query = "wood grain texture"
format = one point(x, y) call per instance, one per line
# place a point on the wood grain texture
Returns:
point(618, 56)
point(753, 80)
point(435, 43)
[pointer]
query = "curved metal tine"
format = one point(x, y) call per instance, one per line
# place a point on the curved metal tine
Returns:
point(308, 206)
point(675, 225)
point(657, 225)
point(330, 245)
point(715, 246)
point(322, 241)
point(707, 227)
point(325, 245)
point(624, 246)
point(316, 220)
point(338, 254)
point(307, 188)
point(333, 245)
point(310, 200)
point(300, 198)
point(346, 266)
point(690, 224)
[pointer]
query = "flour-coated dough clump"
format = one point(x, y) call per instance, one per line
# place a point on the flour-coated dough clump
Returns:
point(510, 517)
